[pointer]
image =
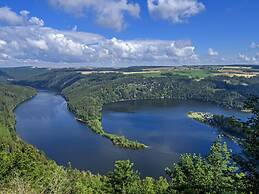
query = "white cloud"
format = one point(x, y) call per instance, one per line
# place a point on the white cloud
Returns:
point(121, 48)
point(47, 45)
point(24, 13)
point(182, 49)
point(39, 44)
point(212, 52)
point(244, 57)
point(2, 44)
point(4, 56)
point(149, 51)
point(175, 11)
point(107, 13)
point(44, 46)
point(36, 21)
point(67, 46)
point(247, 58)
point(7, 16)
point(10, 18)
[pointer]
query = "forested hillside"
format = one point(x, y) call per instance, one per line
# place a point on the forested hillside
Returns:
point(10, 97)
point(87, 96)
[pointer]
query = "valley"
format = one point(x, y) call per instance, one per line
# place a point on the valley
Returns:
point(104, 102)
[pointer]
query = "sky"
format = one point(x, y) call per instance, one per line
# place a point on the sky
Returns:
point(118, 33)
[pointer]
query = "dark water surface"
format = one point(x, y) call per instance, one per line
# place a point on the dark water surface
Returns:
point(46, 123)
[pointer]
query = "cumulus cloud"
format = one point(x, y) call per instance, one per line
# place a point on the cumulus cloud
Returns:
point(175, 11)
point(107, 13)
point(43, 46)
point(212, 52)
point(46, 44)
point(55, 46)
point(10, 18)
point(7, 16)
point(67, 46)
point(38, 44)
point(182, 49)
point(28, 41)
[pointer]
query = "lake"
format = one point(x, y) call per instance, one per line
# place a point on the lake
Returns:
point(45, 122)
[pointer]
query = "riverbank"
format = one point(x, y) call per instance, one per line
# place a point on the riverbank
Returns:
point(121, 141)
point(228, 126)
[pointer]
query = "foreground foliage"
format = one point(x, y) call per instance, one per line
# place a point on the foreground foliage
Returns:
point(214, 174)
point(24, 169)
point(247, 133)
point(249, 161)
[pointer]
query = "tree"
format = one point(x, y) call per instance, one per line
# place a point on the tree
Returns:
point(214, 174)
point(123, 179)
point(222, 171)
point(249, 159)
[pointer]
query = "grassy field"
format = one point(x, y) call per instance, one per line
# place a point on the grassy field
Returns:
point(190, 72)
point(193, 73)
point(148, 73)
point(199, 116)
point(152, 74)
point(199, 73)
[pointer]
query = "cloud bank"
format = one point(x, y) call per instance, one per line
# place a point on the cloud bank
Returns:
point(36, 43)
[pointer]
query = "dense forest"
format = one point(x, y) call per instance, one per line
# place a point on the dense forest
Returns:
point(10, 97)
point(24, 169)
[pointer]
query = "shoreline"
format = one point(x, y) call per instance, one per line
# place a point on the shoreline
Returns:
point(206, 118)
point(116, 140)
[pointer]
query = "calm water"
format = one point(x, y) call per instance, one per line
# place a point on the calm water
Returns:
point(45, 122)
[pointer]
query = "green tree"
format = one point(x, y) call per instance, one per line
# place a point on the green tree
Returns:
point(161, 185)
point(222, 171)
point(249, 160)
point(123, 179)
point(148, 186)
point(214, 174)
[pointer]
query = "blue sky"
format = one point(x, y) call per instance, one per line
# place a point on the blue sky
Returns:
point(202, 31)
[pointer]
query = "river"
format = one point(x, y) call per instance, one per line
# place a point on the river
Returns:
point(45, 122)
